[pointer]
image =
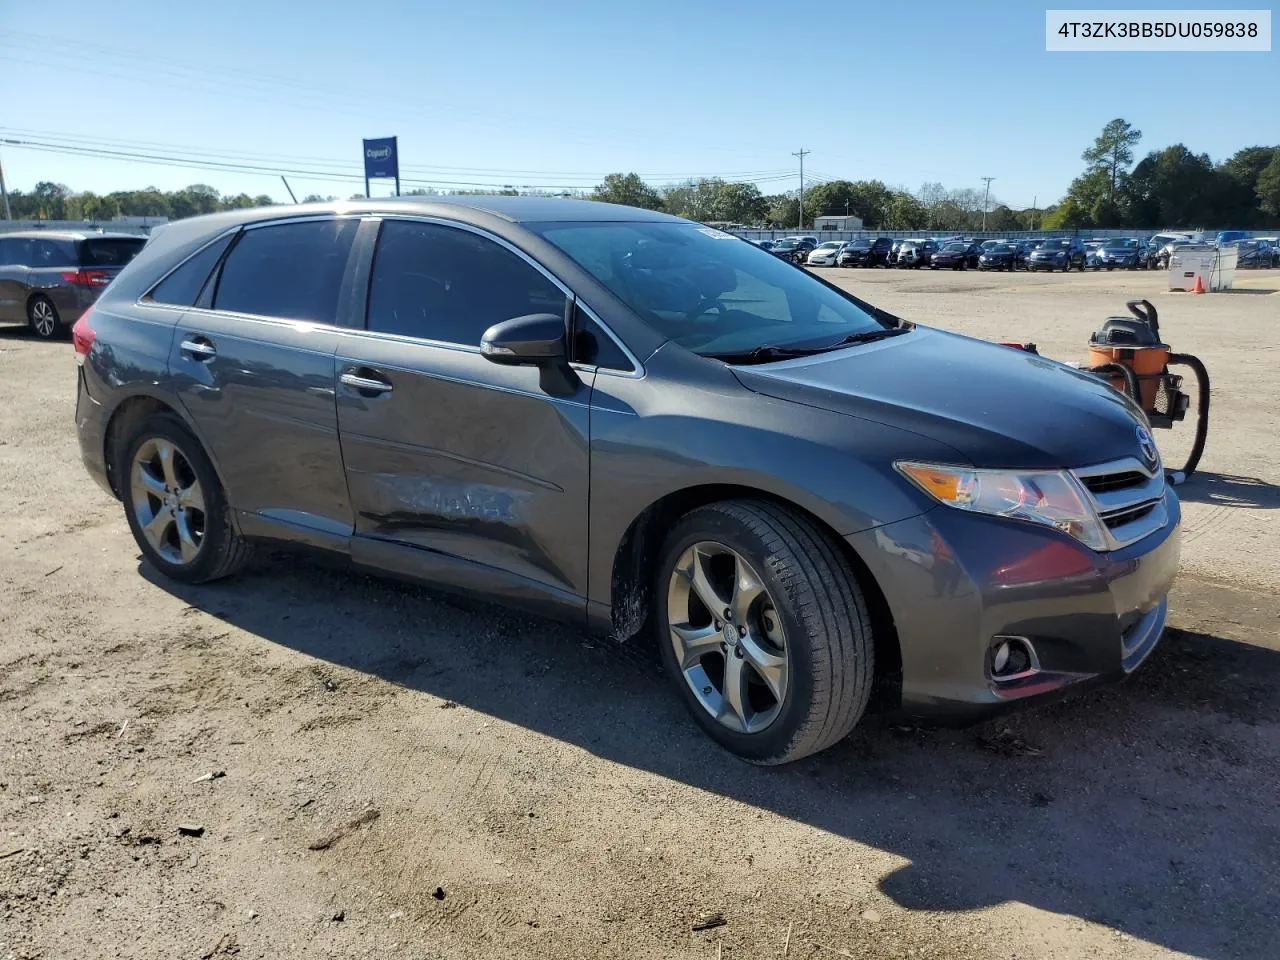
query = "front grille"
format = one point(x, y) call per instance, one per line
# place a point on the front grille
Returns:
point(1128, 497)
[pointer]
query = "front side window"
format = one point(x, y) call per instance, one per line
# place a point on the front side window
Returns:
point(291, 270)
point(706, 291)
point(442, 283)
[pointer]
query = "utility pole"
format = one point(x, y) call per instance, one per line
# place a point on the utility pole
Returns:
point(1034, 198)
point(801, 153)
point(985, 196)
point(8, 215)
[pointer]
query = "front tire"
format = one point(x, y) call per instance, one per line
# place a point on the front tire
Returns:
point(175, 504)
point(763, 630)
point(43, 318)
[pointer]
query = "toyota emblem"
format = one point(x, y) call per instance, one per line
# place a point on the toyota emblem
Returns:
point(1148, 446)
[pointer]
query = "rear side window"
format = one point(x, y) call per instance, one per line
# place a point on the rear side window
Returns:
point(15, 251)
point(441, 283)
point(182, 287)
point(293, 270)
point(52, 253)
point(109, 251)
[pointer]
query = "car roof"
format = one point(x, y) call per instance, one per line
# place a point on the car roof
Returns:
point(66, 235)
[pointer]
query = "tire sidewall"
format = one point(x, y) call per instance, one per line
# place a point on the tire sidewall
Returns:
point(31, 318)
point(720, 527)
point(217, 533)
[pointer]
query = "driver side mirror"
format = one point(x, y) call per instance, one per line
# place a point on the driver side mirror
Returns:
point(534, 340)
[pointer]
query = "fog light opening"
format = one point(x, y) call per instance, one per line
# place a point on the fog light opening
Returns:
point(1012, 658)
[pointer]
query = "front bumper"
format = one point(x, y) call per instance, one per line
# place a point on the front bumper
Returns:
point(954, 581)
point(1047, 264)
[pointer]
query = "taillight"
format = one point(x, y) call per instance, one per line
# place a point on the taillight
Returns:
point(86, 278)
point(82, 335)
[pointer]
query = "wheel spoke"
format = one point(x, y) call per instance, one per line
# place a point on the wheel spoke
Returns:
point(746, 588)
point(770, 667)
point(702, 586)
point(694, 643)
point(191, 497)
point(734, 692)
point(186, 542)
point(156, 528)
point(144, 482)
point(165, 452)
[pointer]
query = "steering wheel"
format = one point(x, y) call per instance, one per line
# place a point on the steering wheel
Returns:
point(705, 305)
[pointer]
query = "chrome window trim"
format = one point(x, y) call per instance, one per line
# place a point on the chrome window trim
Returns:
point(638, 367)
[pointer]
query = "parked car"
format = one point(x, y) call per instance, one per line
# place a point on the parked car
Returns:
point(957, 255)
point(866, 252)
point(1127, 253)
point(1274, 244)
point(1254, 254)
point(49, 278)
point(824, 254)
point(1010, 256)
point(1230, 236)
point(583, 409)
point(896, 250)
point(1058, 253)
point(763, 244)
point(790, 250)
point(914, 254)
point(1160, 255)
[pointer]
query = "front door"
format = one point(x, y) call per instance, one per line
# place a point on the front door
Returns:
point(445, 451)
point(255, 371)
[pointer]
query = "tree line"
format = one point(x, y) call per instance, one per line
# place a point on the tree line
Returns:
point(1170, 187)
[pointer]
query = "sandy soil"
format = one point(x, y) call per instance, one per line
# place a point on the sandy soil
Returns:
point(408, 776)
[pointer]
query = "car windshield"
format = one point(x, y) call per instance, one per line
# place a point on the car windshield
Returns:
point(1249, 244)
point(956, 247)
point(1121, 243)
point(859, 244)
point(829, 245)
point(1055, 244)
point(706, 292)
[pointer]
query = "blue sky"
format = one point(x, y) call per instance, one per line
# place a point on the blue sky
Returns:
point(559, 93)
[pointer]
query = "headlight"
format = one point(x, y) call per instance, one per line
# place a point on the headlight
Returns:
point(1051, 498)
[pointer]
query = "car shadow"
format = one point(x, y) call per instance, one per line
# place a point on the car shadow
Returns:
point(1224, 490)
point(1140, 806)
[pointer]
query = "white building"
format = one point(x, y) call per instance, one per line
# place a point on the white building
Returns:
point(839, 222)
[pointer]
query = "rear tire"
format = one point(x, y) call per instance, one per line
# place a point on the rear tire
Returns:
point(43, 318)
point(178, 512)
point(811, 598)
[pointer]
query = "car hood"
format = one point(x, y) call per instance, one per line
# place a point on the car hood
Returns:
point(996, 406)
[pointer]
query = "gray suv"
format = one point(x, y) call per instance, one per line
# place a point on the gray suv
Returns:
point(646, 426)
point(47, 278)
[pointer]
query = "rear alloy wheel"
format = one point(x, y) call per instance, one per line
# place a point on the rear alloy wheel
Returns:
point(42, 317)
point(175, 505)
point(763, 630)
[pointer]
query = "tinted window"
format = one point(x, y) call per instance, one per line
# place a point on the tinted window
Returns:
point(109, 251)
point(52, 253)
point(292, 270)
point(709, 294)
point(183, 286)
point(441, 283)
point(15, 251)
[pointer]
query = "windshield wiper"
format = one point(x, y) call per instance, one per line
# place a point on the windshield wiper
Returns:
point(769, 352)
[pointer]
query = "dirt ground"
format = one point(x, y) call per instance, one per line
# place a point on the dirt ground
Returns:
point(401, 775)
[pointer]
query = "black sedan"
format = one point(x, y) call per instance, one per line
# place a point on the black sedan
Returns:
point(1004, 256)
point(1255, 254)
point(792, 250)
point(1126, 253)
point(957, 255)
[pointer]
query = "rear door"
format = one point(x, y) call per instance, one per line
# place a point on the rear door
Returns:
point(253, 364)
point(445, 451)
point(15, 252)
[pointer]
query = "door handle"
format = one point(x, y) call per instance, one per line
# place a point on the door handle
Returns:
point(365, 385)
point(199, 348)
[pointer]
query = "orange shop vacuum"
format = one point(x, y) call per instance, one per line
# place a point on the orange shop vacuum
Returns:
point(1129, 355)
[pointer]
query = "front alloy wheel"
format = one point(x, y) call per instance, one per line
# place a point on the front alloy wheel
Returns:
point(763, 629)
point(727, 637)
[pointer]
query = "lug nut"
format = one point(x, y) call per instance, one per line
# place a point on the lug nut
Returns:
point(742, 631)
